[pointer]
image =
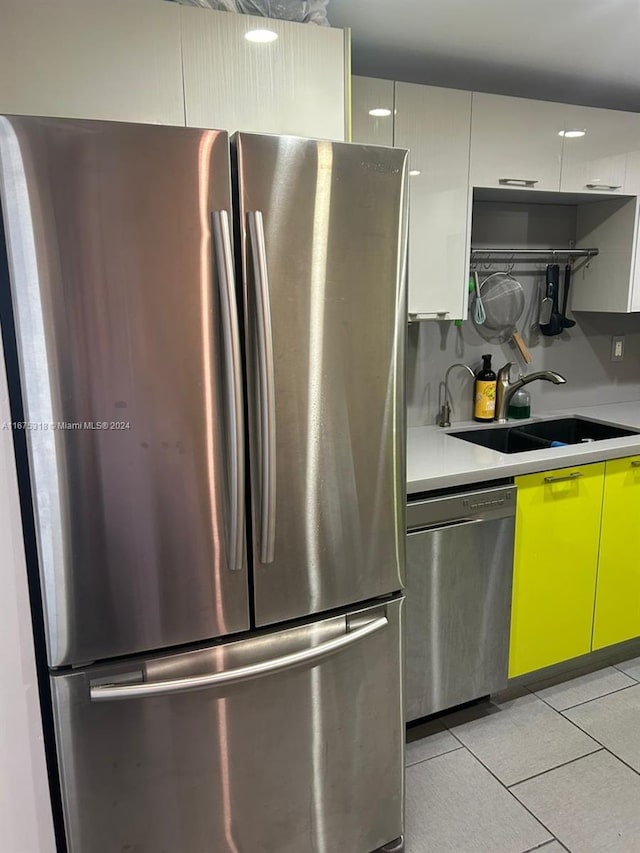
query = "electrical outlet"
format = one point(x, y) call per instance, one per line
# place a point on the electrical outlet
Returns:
point(617, 348)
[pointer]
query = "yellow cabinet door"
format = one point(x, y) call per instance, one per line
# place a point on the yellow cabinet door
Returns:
point(617, 614)
point(556, 556)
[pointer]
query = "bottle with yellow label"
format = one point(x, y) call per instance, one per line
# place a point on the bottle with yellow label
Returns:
point(484, 392)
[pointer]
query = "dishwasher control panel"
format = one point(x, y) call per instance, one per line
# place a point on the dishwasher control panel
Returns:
point(484, 502)
point(495, 502)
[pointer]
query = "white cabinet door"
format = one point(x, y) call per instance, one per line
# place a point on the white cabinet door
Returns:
point(632, 187)
point(434, 124)
point(116, 60)
point(372, 105)
point(516, 142)
point(597, 161)
point(293, 85)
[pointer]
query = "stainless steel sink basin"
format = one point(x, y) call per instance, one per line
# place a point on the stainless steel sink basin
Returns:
point(541, 435)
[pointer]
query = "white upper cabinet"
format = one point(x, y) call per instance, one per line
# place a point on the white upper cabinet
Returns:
point(296, 84)
point(516, 142)
point(372, 106)
point(434, 124)
point(597, 161)
point(116, 60)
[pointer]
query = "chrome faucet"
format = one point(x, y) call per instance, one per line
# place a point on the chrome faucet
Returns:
point(506, 389)
point(444, 420)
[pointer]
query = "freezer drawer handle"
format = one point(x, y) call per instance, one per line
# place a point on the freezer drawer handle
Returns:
point(306, 657)
point(233, 370)
point(267, 389)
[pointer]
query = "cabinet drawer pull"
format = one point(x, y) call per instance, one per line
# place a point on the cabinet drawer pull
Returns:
point(415, 317)
point(517, 182)
point(635, 463)
point(572, 476)
point(603, 186)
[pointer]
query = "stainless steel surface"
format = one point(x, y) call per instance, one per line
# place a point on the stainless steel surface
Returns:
point(111, 692)
point(122, 276)
point(108, 233)
point(518, 182)
point(553, 253)
point(505, 389)
point(267, 411)
point(445, 409)
point(498, 502)
point(223, 254)
point(335, 236)
point(574, 475)
point(459, 578)
point(395, 846)
point(603, 186)
point(309, 759)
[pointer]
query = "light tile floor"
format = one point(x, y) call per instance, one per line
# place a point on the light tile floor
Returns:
point(552, 767)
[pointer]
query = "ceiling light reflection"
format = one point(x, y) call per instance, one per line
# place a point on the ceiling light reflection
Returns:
point(261, 36)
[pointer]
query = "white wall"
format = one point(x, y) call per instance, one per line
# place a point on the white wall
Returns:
point(25, 814)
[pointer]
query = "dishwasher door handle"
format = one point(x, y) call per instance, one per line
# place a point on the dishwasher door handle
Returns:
point(445, 525)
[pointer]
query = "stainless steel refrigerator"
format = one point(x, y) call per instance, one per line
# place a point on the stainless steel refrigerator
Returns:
point(210, 339)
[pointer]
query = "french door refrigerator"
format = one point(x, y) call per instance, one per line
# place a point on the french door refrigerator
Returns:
point(211, 382)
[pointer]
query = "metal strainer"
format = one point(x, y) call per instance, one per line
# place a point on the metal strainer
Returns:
point(503, 300)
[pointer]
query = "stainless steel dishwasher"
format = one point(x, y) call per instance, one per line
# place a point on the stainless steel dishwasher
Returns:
point(459, 578)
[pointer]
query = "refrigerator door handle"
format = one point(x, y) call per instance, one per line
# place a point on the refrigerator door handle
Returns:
point(306, 657)
point(267, 388)
point(233, 375)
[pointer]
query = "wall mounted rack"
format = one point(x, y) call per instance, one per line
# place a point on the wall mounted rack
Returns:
point(528, 254)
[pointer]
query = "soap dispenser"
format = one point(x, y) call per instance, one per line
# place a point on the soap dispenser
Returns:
point(484, 392)
point(519, 405)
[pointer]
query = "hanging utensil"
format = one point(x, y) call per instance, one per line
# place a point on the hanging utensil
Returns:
point(479, 314)
point(546, 306)
point(566, 323)
point(503, 300)
point(554, 326)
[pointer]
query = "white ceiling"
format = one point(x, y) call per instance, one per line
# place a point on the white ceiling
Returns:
point(580, 51)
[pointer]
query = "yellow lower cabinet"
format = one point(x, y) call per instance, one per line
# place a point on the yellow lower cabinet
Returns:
point(556, 557)
point(617, 613)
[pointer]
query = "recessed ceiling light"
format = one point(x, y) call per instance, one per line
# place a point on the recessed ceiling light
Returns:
point(380, 112)
point(414, 172)
point(261, 36)
point(572, 134)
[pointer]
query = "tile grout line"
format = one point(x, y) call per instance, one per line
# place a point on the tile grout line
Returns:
point(595, 699)
point(546, 844)
point(617, 666)
point(431, 757)
point(595, 739)
point(600, 748)
point(504, 787)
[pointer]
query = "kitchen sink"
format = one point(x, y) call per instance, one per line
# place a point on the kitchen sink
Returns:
point(503, 439)
point(575, 430)
point(539, 435)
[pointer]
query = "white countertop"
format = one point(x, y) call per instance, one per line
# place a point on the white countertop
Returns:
point(437, 460)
